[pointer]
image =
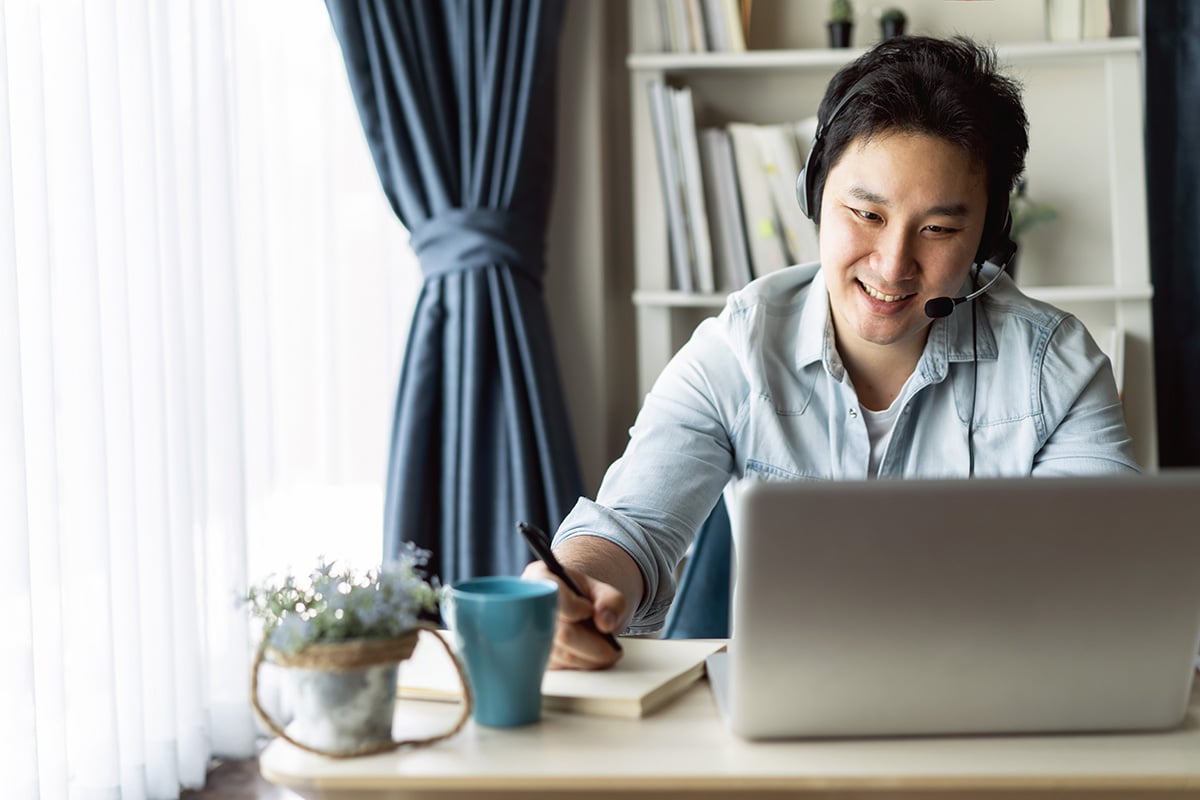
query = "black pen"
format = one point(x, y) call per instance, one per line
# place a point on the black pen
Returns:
point(539, 542)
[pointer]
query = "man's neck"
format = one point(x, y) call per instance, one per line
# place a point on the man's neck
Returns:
point(879, 372)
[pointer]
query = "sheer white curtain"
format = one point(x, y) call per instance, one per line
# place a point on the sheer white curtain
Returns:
point(203, 301)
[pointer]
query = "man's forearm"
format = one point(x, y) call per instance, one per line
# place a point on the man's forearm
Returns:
point(602, 560)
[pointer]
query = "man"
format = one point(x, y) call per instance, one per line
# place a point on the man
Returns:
point(872, 363)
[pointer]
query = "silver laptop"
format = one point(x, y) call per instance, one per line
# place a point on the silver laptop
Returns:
point(985, 606)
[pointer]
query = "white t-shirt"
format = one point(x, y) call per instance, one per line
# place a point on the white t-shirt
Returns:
point(880, 425)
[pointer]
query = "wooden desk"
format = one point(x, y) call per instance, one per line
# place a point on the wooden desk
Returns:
point(684, 751)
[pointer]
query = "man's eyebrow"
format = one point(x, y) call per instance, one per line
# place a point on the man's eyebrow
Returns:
point(866, 195)
point(952, 210)
point(948, 210)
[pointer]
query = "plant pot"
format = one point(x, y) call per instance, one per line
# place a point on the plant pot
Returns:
point(344, 695)
point(839, 33)
point(342, 710)
point(889, 28)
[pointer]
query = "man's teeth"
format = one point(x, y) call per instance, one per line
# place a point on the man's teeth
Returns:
point(887, 298)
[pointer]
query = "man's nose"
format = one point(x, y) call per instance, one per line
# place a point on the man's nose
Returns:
point(894, 253)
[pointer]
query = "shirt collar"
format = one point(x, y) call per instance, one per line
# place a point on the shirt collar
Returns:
point(816, 330)
point(957, 326)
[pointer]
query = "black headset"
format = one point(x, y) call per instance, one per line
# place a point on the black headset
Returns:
point(995, 246)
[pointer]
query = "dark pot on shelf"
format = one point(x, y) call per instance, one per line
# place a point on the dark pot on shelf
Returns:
point(891, 27)
point(839, 33)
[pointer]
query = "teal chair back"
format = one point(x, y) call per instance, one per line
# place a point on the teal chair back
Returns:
point(701, 607)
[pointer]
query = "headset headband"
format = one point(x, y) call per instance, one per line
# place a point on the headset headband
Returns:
point(995, 240)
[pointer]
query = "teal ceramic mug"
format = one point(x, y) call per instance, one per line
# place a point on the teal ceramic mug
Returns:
point(504, 628)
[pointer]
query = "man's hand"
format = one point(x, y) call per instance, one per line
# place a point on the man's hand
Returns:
point(575, 645)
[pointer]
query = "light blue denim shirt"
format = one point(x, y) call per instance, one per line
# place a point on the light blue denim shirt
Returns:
point(759, 392)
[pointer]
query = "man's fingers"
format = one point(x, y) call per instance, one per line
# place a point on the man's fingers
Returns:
point(578, 647)
point(600, 598)
point(576, 644)
point(607, 607)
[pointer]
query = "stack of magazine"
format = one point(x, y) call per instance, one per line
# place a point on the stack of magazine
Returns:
point(730, 194)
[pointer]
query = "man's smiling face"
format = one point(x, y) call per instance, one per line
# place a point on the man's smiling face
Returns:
point(901, 218)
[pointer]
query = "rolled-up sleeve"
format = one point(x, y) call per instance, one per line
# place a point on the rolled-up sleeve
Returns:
point(679, 458)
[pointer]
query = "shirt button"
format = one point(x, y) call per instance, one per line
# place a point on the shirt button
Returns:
point(853, 413)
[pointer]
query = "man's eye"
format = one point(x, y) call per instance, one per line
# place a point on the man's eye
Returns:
point(940, 229)
point(868, 215)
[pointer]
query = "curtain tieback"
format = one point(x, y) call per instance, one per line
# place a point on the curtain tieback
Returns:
point(462, 239)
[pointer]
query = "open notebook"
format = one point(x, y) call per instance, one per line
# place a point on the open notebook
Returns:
point(651, 672)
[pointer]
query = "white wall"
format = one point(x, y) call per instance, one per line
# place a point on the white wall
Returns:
point(589, 272)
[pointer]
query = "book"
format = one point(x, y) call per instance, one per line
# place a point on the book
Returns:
point(1072, 20)
point(714, 25)
point(744, 10)
point(662, 119)
point(659, 28)
point(767, 252)
point(650, 674)
point(693, 190)
point(679, 32)
point(731, 261)
point(697, 35)
point(734, 28)
point(723, 22)
point(781, 162)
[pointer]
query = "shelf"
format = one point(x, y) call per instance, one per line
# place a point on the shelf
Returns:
point(1020, 52)
point(674, 299)
point(1089, 294)
point(1050, 294)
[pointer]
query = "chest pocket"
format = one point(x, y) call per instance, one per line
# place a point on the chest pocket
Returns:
point(784, 446)
point(761, 470)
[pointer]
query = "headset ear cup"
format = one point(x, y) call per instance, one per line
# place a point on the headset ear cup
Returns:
point(806, 189)
point(804, 181)
point(802, 191)
point(1005, 248)
point(997, 245)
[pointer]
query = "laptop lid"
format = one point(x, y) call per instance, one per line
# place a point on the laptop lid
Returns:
point(954, 606)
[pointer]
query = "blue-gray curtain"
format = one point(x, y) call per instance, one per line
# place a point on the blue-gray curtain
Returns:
point(457, 99)
point(1172, 33)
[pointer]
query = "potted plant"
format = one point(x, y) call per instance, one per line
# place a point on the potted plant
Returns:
point(1026, 214)
point(340, 636)
point(841, 23)
point(892, 22)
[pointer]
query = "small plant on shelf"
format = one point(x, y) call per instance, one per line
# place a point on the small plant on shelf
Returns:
point(1026, 214)
point(892, 22)
point(841, 23)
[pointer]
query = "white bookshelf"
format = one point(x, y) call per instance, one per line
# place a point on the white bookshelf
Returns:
point(1084, 101)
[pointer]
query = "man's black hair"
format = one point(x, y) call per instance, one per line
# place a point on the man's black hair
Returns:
point(948, 88)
